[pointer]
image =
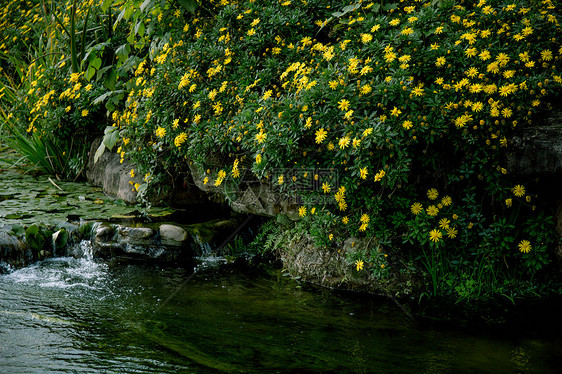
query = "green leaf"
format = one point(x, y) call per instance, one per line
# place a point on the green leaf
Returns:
point(17, 230)
point(60, 238)
point(31, 230)
point(101, 98)
point(96, 63)
point(189, 5)
point(106, 4)
point(139, 28)
point(111, 137)
point(146, 4)
point(90, 73)
point(129, 10)
point(123, 52)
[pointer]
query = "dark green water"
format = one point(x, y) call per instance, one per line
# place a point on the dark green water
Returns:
point(69, 315)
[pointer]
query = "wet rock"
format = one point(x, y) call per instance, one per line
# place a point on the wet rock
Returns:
point(172, 234)
point(13, 250)
point(136, 235)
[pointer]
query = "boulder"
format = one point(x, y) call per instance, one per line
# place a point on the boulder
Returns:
point(250, 196)
point(537, 151)
point(172, 234)
point(111, 174)
point(304, 259)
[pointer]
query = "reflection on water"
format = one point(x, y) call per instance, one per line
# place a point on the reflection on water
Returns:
point(80, 315)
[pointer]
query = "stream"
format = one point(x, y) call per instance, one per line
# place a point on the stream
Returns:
point(84, 315)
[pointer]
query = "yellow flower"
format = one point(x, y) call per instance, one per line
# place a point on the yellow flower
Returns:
point(484, 55)
point(260, 137)
point(440, 61)
point(416, 208)
point(132, 173)
point(331, 237)
point(508, 202)
point(432, 193)
point(160, 132)
point(363, 227)
point(518, 190)
point(395, 112)
point(258, 159)
point(345, 220)
point(407, 124)
point(344, 142)
point(343, 105)
point(368, 131)
point(180, 139)
point(444, 223)
point(379, 175)
point(407, 31)
point(280, 179)
point(85, 112)
point(302, 211)
point(359, 265)
point(435, 235)
point(339, 196)
point(321, 135)
point(452, 232)
point(525, 246)
point(446, 200)
point(326, 187)
point(432, 210)
point(363, 172)
point(546, 55)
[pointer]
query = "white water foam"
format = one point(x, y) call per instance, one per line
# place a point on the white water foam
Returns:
point(63, 272)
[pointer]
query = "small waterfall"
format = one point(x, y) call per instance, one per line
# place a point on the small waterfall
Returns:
point(204, 247)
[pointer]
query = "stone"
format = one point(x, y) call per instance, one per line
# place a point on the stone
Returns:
point(111, 174)
point(172, 234)
point(332, 267)
point(250, 197)
point(136, 235)
point(536, 151)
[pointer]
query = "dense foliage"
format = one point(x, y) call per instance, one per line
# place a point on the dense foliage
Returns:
point(387, 120)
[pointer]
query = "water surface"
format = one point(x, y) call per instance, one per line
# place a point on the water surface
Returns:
point(81, 315)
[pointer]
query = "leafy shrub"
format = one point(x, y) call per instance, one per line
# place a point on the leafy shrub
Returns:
point(397, 114)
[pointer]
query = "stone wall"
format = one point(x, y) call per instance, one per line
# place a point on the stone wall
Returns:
point(535, 155)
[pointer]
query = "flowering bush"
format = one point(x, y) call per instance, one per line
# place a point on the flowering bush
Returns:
point(398, 114)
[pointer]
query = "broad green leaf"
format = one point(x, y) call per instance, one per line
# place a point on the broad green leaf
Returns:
point(96, 63)
point(106, 4)
point(123, 52)
point(99, 152)
point(31, 230)
point(189, 5)
point(111, 138)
